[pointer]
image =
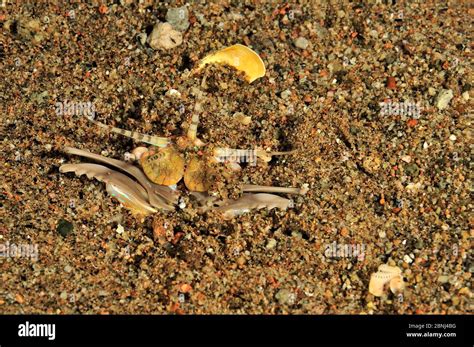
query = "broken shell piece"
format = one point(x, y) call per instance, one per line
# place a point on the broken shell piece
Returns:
point(164, 36)
point(242, 118)
point(118, 185)
point(390, 269)
point(240, 57)
point(386, 274)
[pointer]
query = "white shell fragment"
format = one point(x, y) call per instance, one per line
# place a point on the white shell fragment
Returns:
point(165, 37)
point(386, 274)
point(443, 98)
point(173, 93)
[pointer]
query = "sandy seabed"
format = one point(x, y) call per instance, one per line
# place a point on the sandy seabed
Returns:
point(374, 97)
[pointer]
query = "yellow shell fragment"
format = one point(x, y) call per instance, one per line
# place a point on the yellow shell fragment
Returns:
point(397, 285)
point(386, 274)
point(165, 167)
point(196, 175)
point(240, 57)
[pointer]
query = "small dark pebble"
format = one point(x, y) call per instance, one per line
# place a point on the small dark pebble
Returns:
point(64, 227)
point(398, 203)
point(419, 244)
point(412, 170)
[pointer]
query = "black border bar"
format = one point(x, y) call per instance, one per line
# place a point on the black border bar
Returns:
point(226, 329)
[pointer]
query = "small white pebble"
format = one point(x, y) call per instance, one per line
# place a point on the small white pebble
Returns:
point(271, 244)
point(443, 99)
point(407, 259)
point(453, 137)
point(242, 118)
point(425, 145)
point(128, 156)
point(285, 94)
point(173, 92)
point(138, 152)
point(406, 158)
point(465, 95)
point(120, 229)
point(292, 298)
point(304, 188)
point(382, 234)
point(181, 204)
point(301, 43)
